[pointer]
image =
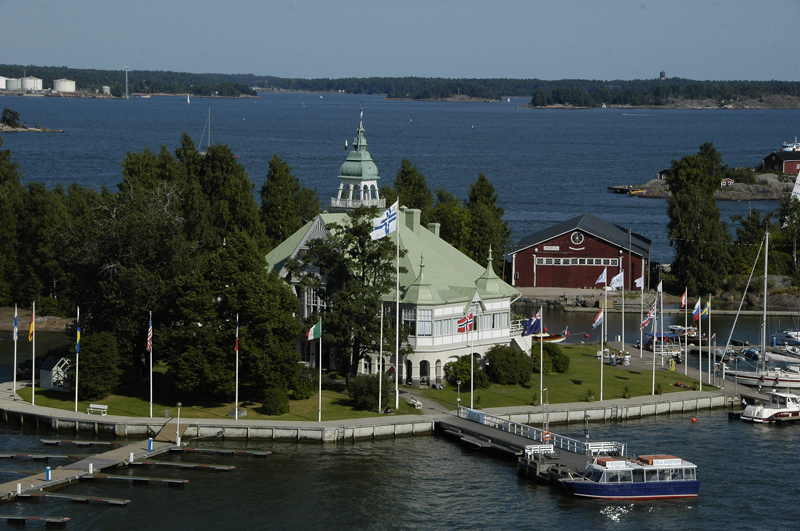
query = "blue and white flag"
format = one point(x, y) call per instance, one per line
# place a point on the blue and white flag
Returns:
point(532, 325)
point(602, 278)
point(598, 320)
point(16, 327)
point(386, 224)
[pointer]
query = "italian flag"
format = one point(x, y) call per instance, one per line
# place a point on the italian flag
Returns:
point(315, 332)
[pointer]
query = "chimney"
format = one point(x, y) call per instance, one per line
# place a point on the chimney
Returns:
point(412, 219)
point(434, 228)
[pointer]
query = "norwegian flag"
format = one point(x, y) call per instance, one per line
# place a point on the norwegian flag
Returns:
point(683, 297)
point(465, 324)
point(150, 335)
point(650, 315)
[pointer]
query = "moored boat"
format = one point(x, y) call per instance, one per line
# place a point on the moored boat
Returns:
point(781, 407)
point(647, 477)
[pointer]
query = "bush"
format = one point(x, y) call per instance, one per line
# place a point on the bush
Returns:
point(304, 388)
point(505, 366)
point(460, 370)
point(276, 401)
point(554, 359)
point(99, 365)
point(363, 390)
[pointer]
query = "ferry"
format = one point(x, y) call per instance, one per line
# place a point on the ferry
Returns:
point(647, 477)
point(791, 146)
point(781, 407)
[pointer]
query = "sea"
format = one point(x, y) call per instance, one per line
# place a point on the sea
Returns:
point(546, 166)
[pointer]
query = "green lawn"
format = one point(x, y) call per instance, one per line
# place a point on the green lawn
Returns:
point(583, 376)
point(335, 406)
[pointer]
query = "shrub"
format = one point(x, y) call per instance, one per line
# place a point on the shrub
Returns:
point(589, 396)
point(276, 401)
point(304, 388)
point(554, 359)
point(363, 390)
point(507, 366)
point(460, 370)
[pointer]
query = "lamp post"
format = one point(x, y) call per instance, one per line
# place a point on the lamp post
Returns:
point(178, 430)
point(458, 400)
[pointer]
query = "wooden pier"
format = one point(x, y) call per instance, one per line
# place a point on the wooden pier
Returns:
point(183, 465)
point(49, 521)
point(71, 497)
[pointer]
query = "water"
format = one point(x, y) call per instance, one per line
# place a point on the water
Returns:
point(546, 165)
point(434, 483)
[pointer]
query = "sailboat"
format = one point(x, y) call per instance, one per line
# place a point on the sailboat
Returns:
point(786, 378)
point(187, 99)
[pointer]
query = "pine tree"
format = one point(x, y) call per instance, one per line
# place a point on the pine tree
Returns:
point(412, 189)
point(286, 205)
point(488, 228)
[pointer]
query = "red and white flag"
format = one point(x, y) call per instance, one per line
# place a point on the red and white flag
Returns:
point(236, 348)
point(150, 335)
point(683, 298)
point(465, 324)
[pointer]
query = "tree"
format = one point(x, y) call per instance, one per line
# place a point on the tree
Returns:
point(460, 370)
point(488, 228)
point(286, 205)
point(363, 390)
point(695, 229)
point(98, 365)
point(789, 218)
point(10, 118)
point(11, 201)
point(412, 189)
point(540, 98)
point(454, 219)
point(506, 366)
point(198, 342)
point(351, 272)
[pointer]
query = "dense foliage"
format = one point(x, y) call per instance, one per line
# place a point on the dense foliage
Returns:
point(10, 118)
point(363, 390)
point(275, 402)
point(507, 366)
point(460, 370)
point(554, 359)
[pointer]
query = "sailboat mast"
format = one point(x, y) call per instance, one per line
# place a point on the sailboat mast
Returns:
point(764, 314)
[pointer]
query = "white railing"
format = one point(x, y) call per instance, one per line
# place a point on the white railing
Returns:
point(355, 203)
point(529, 432)
point(516, 328)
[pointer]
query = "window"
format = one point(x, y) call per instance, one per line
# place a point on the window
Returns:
point(447, 327)
point(548, 261)
point(556, 261)
point(424, 322)
point(574, 261)
point(437, 328)
point(606, 261)
point(410, 320)
point(305, 352)
point(614, 261)
point(540, 261)
point(590, 261)
point(581, 261)
point(313, 302)
point(486, 322)
point(500, 320)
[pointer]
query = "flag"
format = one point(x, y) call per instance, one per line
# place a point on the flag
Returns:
point(598, 319)
point(659, 286)
point(602, 278)
point(465, 324)
point(385, 224)
point(149, 345)
point(649, 316)
point(532, 325)
point(640, 281)
point(565, 332)
point(315, 332)
point(704, 313)
point(16, 328)
point(617, 281)
point(683, 297)
point(30, 331)
point(236, 347)
point(696, 311)
point(78, 340)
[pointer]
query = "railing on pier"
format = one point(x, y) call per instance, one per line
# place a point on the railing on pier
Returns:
point(535, 434)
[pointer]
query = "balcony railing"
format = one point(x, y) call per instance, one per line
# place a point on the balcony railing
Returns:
point(355, 203)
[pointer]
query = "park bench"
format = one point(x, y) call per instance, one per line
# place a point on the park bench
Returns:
point(97, 408)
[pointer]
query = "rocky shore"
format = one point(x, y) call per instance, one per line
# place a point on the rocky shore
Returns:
point(768, 187)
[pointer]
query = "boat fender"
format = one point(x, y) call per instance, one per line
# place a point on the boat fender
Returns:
point(546, 436)
point(761, 379)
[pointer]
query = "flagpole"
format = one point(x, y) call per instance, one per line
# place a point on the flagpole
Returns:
point(380, 363)
point(397, 300)
point(655, 343)
point(602, 332)
point(641, 319)
point(663, 321)
point(541, 356)
point(236, 392)
point(623, 312)
point(16, 335)
point(33, 354)
point(700, 340)
point(709, 339)
point(686, 329)
point(151, 367)
point(77, 352)
point(320, 369)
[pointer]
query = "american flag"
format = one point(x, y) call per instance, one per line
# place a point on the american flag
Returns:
point(150, 335)
point(465, 324)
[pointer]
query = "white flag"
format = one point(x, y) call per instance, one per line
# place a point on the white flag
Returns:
point(617, 281)
point(640, 281)
point(385, 224)
point(796, 191)
point(659, 286)
point(602, 278)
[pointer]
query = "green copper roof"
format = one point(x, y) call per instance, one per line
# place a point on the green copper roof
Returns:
point(421, 292)
point(489, 284)
point(359, 164)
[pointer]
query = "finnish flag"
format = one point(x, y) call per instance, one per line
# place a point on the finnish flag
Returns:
point(385, 224)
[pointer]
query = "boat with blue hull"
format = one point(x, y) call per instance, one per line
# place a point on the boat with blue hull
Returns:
point(647, 477)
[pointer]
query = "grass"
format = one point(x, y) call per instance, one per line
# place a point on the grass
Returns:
point(583, 377)
point(336, 405)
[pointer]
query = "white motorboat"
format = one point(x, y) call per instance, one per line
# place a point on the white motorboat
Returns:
point(781, 407)
point(786, 337)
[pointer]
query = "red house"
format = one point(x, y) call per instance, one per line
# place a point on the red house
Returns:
point(574, 253)
point(783, 161)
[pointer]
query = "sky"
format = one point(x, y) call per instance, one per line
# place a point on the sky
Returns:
point(585, 39)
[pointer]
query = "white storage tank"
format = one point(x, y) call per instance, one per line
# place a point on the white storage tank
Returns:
point(3, 80)
point(106, 89)
point(31, 83)
point(63, 85)
point(13, 84)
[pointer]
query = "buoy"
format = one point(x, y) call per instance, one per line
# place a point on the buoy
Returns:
point(694, 420)
point(587, 336)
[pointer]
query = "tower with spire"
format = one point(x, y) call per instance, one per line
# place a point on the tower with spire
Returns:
point(358, 177)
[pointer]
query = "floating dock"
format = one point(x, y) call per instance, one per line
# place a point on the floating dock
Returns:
point(49, 521)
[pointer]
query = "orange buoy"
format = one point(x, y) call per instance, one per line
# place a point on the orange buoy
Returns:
point(694, 420)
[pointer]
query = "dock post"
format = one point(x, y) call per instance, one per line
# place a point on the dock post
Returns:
point(47, 474)
point(150, 444)
point(19, 488)
point(130, 460)
point(91, 468)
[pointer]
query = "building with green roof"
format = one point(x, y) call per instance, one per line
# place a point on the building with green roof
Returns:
point(441, 285)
